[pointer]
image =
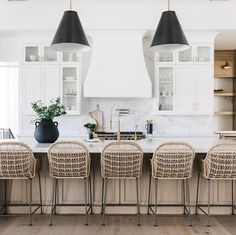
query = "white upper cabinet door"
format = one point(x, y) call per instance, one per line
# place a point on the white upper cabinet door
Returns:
point(51, 82)
point(49, 56)
point(204, 82)
point(165, 57)
point(203, 54)
point(31, 54)
point(165, 89)
point(33, 86)
point(185, 89)
point(39, 53)
point(197, 54)
point(186, 56)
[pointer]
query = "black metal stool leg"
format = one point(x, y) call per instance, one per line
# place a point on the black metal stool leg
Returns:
point(53, 198)
point(232, 195)
point(197, 196)
point(56, 196)
point(189, 206)
point(156, 191)
point(86, 199)
point(40, 193)
point(104, 202)
point(103, 182)
point(209, 198)
point(5, 197)
point(138, 207)
point(91, 196)
point(30, 202)
point(149, 192)
point(183, 195)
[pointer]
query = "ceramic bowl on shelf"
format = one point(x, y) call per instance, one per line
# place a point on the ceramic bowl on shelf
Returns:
point(33, 57)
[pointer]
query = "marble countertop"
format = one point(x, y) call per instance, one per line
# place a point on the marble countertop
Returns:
point(201, 145)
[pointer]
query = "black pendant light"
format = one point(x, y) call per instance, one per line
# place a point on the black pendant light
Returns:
point(70, 36)
point(169, 35)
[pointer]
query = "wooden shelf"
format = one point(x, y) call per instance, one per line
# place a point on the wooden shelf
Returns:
point(225, 113)
point(224, 77)
point(224, 94)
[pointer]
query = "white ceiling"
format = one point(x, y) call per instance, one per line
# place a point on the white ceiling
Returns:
point(226, 40)
point(174, 2)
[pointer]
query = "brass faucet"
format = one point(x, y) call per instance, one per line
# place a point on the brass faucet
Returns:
point(118, 125)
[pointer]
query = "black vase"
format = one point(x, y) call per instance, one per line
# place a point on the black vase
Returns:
point(46, 131)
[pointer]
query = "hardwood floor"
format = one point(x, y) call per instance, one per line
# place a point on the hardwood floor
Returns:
point(117, 225)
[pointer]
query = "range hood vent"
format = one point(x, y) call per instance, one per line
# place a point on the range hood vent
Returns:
point(117, 67)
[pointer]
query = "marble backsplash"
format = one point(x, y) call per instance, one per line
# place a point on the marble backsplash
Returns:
point(140, 110)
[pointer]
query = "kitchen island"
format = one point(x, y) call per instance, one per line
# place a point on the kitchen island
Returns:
point(123, 191)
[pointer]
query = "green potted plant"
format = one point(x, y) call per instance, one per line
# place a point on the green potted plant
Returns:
point(90, 127)
point(46, 131)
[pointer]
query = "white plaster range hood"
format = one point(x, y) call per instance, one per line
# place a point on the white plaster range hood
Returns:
point(117, 67)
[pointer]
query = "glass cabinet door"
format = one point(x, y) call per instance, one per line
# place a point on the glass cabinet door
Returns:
point(203, 53)
point(165, 56)
point(32, 54)
point(185, 56)
point(49, 55)
point(166, 88)
point(68, 57)
point(70, 88)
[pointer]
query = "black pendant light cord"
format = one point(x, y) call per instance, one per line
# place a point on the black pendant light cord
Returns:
point(168, 5)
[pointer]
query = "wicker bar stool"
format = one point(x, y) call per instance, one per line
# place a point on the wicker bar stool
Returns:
point(18, 162)
point(172, 161)
point(121, 160)
point(70, 160)
point(219, 164)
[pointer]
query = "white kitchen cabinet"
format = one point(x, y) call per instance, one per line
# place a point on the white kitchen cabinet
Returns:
point(185, 89)
point(194, 89)
point(32, 86)
point(35, 53)
point(197, 53)
point(70, 58)
point(42, 82)
point(189, 91)
point(50, 83)
point(71, 88)
point(166, 88)
point(166, 57)
point(48, 75)
point(204, 83)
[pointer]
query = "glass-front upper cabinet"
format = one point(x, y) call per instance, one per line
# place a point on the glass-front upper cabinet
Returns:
point(165, 57)
point(71, 88)
point(68, 57)
point(39, 53)
point(165, 88)
point(185, 56)
point(196, 54)
point(49, 55)
point(32, 53)
point(203, 53)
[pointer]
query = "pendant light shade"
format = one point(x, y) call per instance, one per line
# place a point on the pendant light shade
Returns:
point(70, 36)
point(169, 35)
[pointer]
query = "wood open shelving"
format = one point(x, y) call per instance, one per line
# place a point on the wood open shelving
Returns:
point(225, 113)
point(225, 94)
